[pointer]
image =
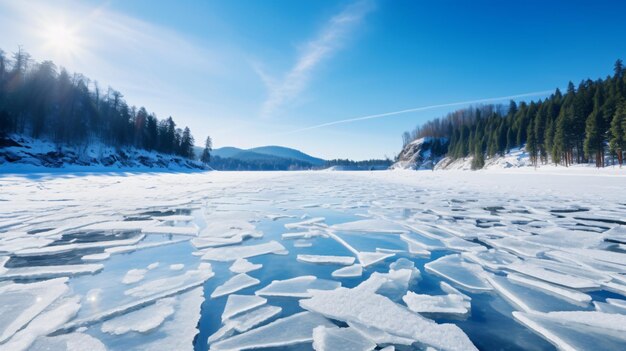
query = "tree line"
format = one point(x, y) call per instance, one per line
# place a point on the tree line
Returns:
point(364, 164)
point(578, 126)
point(41, 101)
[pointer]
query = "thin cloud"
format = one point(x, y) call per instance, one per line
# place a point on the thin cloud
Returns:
point(417, 109)
point(315, 52)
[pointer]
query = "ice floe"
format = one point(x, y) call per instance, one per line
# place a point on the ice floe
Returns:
point(446, 304)
point(297, 287)
point(468, 276)
point(141, 321)
point(329, 339)
point(292, 330)
point(232, 253)
point(23, 302)
point(355, 270)
point(241, 265)
point(237, 304)
point(363, 306)
point(133, 276)
point(340, 260)
point(234, 284)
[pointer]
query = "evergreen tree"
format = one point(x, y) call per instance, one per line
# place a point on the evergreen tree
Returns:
point(478, 161)
point(40, 101)
point(531, 144)
point(617, 141)
point(186, 144)
point(206, 153)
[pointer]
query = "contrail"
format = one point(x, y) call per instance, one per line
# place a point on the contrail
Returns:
point(416, 109)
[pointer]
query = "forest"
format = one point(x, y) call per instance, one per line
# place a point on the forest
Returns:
point(42, 101)
point(584, 124)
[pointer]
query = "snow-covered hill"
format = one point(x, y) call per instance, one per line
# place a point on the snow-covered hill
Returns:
point(421, 153)
point(418, 155)
point(516, 158)
point(19, 153)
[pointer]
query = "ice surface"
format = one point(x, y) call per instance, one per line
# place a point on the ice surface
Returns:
point(153, 287)
point(552, 249)
point(329, 339)
point(178, 331)
point(236, 283)
point(468, 276)
point(236, 252)
point(43, 324)
point(297, 287)
point(302, 243)
point(67, 342)
point(370, 258)
point(177, 266)
point(241, 265)
point(302, 235)
point(253, 318)
point(56, 249)
point(361, 305)
point(96, 257)
point(134, 276)
point(245, 322)
point(451, 303)
point(306, 224)
point(340, 260)
point(20, 303)
point(528, 298)
point(370, 225)
point(237, 304)
point(550, 275)
point(41, 272)
point(295, 329)
point(378, 336)
point(355, 270)
point(571, 295)
point(578, 330)
point(141, 321)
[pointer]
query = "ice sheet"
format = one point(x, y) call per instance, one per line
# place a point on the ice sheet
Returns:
point(297, 287)
point(235, 252)
point(295, 329)
point(234, 284)
point(237, 304)
point(361, 305)
point(328, 339)
point(141, 321)
point(340, 260)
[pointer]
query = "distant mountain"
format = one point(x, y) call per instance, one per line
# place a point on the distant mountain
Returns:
point(285, 152)
point(226, 151)
point(267, 153)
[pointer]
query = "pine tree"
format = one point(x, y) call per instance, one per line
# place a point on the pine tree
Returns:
point(186, 144)
point(531, 143)
point(593, 138)
point(206, 153)
point(478, 161)
point(617, 142)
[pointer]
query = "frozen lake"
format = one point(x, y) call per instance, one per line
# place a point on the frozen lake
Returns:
point(489, 260)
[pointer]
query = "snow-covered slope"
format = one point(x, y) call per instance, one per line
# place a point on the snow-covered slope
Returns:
point(421, 154)
point(516, 158)
point(23, 153)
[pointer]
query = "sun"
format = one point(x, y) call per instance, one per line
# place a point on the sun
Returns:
point(61, 38)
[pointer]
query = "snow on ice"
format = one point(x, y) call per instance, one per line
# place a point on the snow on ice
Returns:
point(113, 260)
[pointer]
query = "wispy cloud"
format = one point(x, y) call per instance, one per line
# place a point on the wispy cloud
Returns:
point(419, 109)
point(316, 51)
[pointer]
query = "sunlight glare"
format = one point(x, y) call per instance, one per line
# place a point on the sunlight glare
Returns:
point(61, 38)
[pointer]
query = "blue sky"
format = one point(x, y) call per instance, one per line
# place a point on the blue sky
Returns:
point(253, 73)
